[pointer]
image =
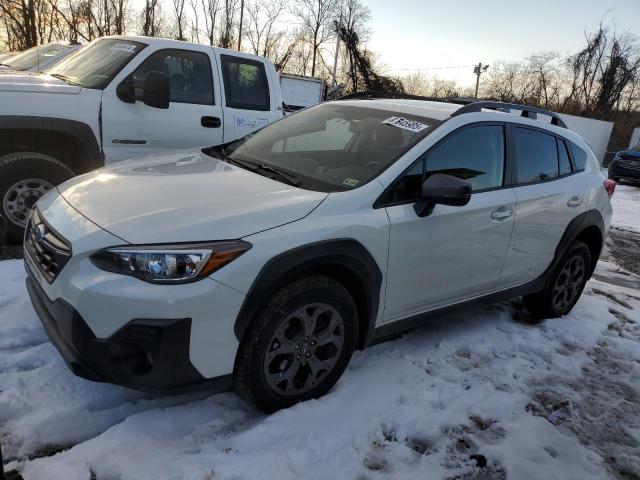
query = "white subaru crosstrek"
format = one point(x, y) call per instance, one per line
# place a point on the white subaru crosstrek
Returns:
point(263, 263)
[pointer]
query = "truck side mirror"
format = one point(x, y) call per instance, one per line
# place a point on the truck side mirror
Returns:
point(126, 90)
point(156, 90)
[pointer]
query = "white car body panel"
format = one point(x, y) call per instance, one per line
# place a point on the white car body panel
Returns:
point(207, 199)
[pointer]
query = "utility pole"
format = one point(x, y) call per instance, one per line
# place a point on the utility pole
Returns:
point(335, 59)
point(240, 27)
point(479, 70)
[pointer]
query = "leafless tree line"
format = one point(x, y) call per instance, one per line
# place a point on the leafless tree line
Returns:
point(599, 81)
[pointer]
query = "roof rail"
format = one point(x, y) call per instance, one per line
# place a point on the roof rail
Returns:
point(527, 112)
point(373, 94)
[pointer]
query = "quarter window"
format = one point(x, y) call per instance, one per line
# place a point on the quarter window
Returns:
point(563, 156)
point(190, 79)
point(536, 155)
point(474, 154)
point(245, 83)
point(579, 157)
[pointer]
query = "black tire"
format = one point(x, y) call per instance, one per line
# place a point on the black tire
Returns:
point(17, 198)
point(552, 302)
point(250, 373)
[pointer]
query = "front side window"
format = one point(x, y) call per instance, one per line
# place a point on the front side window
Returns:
point(331, 147)
point(536, 155)
point(190, 79)
point(245, 83)
point(95, 65)
point(475, 154)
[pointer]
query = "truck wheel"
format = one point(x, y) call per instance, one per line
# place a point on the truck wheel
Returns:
point(24, 178)
point(299, 344)
point(564, 286)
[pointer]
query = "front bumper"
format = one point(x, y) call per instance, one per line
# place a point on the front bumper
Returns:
point(146, 354)
point(617, 169)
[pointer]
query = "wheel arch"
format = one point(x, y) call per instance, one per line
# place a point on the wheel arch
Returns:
point(345, 260)
point(588, 227)
point(71, 142)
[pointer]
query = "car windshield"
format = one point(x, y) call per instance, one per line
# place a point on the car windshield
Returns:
point(331, 147)
point(95, 65)
point(32, 57)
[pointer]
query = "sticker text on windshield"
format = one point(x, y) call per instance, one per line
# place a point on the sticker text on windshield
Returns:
point(406, 124)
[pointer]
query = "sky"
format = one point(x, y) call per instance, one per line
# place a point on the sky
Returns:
point(412, 34)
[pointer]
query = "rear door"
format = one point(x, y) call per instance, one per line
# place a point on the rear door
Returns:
point(193, 119)
point(549, 195)
point(251, 96)
point(455, 253)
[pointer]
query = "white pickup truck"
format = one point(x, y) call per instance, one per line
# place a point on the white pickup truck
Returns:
point(121, 97)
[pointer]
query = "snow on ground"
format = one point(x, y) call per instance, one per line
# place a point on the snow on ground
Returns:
point(626, 207)
point(480, 394)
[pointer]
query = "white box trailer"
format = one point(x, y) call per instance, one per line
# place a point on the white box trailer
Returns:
point(595, 132)
point(300, 92)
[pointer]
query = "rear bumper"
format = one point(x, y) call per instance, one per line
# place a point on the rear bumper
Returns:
point(146, 354)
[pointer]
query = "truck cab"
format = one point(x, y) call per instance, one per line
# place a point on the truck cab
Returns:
point(123, 97)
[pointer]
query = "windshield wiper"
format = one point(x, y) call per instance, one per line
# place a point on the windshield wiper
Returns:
point(64, 78)
point(255, 167)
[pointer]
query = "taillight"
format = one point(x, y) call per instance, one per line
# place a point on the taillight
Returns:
point(610, 187)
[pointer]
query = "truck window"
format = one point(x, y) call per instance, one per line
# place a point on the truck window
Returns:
point(245, 83)
point(190, 79)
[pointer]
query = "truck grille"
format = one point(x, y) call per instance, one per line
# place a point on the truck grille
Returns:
point(630, 164)
point(49, 251)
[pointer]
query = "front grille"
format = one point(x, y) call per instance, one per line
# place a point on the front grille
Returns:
point(630, 164)
point(49, 251)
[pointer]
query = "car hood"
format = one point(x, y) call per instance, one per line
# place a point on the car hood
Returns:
point(628, 154)
point(185, 197)
point(12, 81)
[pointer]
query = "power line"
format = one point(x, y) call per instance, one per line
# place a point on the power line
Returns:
point(432, 68)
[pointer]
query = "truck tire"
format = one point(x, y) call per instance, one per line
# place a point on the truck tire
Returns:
point(24, 178)
point(299, 344)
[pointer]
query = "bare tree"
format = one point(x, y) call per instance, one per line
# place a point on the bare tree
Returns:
point(178, 11)
point(317, 18)
point(229, 10)
point(151, 18)
point(262, 30)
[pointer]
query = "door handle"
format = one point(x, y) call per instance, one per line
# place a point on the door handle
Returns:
point(210, 122)
point(574, 202)
point(501, 214)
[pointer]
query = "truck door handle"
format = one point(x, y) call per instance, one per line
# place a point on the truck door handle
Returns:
point(501, 214)
point(574, 202)
point(210, 122)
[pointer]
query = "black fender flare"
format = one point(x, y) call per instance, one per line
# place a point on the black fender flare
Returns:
point(291, 264)
point(590, 218)
point(76, 129)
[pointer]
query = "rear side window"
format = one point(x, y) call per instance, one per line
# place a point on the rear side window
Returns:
point(563, 156)
point(536, 155)
point(190, 79)
point(245, 83)
point(579, 157)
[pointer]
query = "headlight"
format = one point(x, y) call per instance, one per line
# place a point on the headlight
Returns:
point(180, 263)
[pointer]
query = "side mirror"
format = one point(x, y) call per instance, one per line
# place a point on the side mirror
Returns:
point(442, 189)
point(155, 92)
point(126, 90)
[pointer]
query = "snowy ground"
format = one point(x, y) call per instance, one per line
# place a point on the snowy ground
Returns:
point(482, 394)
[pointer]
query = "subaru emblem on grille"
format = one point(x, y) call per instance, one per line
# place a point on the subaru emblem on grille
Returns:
point(40, 232)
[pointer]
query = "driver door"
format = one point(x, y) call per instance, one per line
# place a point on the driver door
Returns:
point(194, 116)
point(455, 253)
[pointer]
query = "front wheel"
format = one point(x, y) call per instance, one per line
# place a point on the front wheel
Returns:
point(24, 178)
point(565, 285)
point(298, 346)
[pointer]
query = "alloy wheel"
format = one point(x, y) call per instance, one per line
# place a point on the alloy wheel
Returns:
point(569, 283)
point(304, 348)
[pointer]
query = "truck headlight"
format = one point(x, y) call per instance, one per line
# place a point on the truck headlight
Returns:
point(178, 263)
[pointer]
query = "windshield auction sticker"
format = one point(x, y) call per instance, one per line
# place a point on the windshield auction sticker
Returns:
point(124, 47)
point(406, 124)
